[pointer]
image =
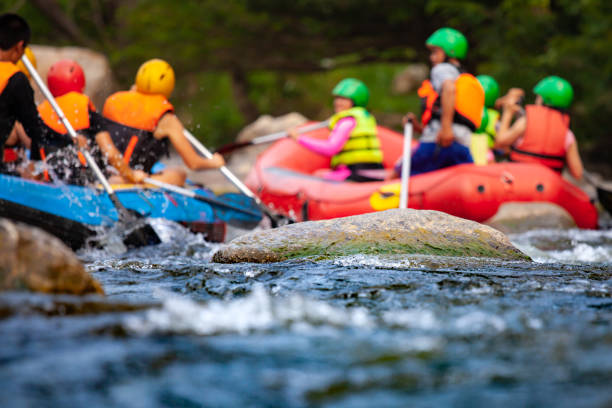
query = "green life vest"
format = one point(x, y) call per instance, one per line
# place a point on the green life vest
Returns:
point(363, 145)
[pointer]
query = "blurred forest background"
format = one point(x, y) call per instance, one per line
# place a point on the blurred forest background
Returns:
point(238, 59)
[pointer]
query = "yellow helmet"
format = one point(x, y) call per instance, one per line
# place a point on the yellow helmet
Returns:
point(155, 76)
point(28, 52)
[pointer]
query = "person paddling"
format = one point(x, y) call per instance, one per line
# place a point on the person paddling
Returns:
point(453, 102)
point(543, 134)
point(483, 139)
point(16, 94)
point(142, 124)
point(66, 82)
point(353, 144)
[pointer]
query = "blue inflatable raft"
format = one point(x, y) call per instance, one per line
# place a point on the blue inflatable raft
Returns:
point(73, 213)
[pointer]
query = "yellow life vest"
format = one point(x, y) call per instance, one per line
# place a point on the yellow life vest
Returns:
point(363, 145)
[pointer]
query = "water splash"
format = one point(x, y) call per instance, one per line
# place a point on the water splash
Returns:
point(573, 246)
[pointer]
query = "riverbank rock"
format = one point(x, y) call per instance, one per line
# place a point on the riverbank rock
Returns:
point(242, 160)
point(386, 232)
point(99, 80)
point(409, 79)
point(31, 259)
point(517, 217)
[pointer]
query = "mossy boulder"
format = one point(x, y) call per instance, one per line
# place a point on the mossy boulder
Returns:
point(386, 232)
point(33, 260)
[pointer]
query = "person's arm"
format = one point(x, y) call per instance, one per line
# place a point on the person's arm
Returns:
point(507, 134)
point(572, 157)
point(445, 136)
point(24, 109)
point(115, 158)
point(417, 126)
point(334, 143)
point(171, 127)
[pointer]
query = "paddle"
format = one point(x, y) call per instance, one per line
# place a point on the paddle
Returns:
point(406, 165)
point(138, 235)
point(270, 138)
point(193, 194)
point(604, 194)
point(274, 218)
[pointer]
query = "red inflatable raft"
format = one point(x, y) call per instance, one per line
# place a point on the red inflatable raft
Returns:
point(284, 178)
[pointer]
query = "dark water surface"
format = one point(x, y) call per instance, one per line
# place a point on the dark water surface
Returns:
point(179, 331)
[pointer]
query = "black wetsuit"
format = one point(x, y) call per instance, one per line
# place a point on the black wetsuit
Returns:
point(17, 104)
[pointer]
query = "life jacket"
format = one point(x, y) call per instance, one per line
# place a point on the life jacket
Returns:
point(469, 102)
point(363, 145)
point(138, 114)
point(7, 70)
point(544, 138)
point(75, 106)
point(428, 96)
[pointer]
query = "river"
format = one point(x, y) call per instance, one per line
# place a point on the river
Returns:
point(177, 330)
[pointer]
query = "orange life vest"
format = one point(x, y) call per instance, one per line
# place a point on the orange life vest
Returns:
point(75, 106)
point(140, 112)
point(428, 96)
point(469, 102)
point(136, 110)
point(544, 138)
point(7, 70)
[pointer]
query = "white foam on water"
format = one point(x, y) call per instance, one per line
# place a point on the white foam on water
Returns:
point(586, 246)
point(259, 311)
point(412, 318)
point(376, 261)
point(478, 322)
point(583, 253)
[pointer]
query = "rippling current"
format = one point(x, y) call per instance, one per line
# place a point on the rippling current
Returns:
point(177, 330)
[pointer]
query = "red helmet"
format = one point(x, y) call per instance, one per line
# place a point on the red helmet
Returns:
point(65, 76)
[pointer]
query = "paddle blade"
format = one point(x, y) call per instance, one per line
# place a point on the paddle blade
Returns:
point(242, 219)
point(140, 236)
point(605, 198)
point(228, 148)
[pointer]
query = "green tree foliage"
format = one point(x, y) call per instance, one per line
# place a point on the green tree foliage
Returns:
point(236, 59)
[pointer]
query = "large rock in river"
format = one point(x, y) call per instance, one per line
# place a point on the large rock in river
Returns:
point(31, 259)
point(517, 217)
point(386, 232)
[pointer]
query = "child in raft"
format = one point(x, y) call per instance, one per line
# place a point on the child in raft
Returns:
point(353, 144)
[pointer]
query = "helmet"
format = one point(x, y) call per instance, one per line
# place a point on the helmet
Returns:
point(555, 92)
point(354, 90)
point(450, 40)
point(65, 76)
point(28, 52)
point(484, 122)
point(155, 76)
point(491, 89)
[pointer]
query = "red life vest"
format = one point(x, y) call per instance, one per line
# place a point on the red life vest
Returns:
point(544, 138)
point(75, 106)
point(428, 96)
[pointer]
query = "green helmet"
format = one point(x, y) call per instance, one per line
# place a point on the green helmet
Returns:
point(353, 89)
point(484, 122)
point(555, 91)
point(451, 41)
point(491, 89)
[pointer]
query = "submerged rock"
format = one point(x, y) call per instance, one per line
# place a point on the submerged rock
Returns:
point(517, 217)
point(386, 232)
point(31, 259)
